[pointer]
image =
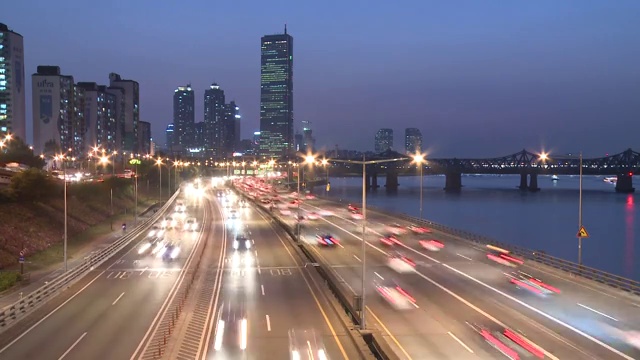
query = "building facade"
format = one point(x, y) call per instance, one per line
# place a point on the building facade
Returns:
point(53, 110)
point(276, 96)
point(214, 118)
point(183, 117)
point(229, 135)
point(412, 141)
point(131, 113)
point(169, 133)
point(12, 84)
point(119, 98)
point(384, 140)
point(144, 137)
point(99, 117)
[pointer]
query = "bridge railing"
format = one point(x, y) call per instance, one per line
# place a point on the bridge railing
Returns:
point(35, 299)
point(570, 267)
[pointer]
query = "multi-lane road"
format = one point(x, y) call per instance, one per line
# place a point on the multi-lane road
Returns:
point(458, 287)
point(261, 294)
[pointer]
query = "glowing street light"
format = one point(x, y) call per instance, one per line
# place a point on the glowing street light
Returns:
point(419, 160)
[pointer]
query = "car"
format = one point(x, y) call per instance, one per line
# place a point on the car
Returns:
point(169, 223)
point(190, 224)
point(396, 229)
point(233, 214)
point(180, 207)
point(312, 215)
point(529, 282)
point(390, 240)
point(395, 295)
point(502, 256)
point(326, 240)
point(431, 245)
point(306, 345)
point(156, 231)
point(241, 242)
point(356, 214)
point(418, 229)
point(309, 196)
point(352, 207)
point(509, 342)
point(148, 245)
point(401, 264)
point(171, 252)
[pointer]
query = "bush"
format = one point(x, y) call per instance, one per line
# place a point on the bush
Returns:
point(32, 185)
point(8, 279)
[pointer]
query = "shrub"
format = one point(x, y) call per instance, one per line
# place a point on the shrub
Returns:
point(32, 185)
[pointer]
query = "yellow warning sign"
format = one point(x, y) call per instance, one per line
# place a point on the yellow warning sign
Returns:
point(582, 233)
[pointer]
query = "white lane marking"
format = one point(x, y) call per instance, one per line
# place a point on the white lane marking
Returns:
point(259, 271)
point(268, 323)
point(49, 314)
point(72, 346)
point(577, 331)
point(460, 342)
point(597, 312)
point(357, 258)
point(116, 300)
point(143, 270)
point(466, 257)
point(378, 275)
point(262, 288)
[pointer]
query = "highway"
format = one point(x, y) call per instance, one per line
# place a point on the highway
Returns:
point(267, 291)
point(106, 315)
point(458, 286)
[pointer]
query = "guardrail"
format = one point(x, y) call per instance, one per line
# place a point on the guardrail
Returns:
point(379, 348)
point(33, 300)
point(570, 267)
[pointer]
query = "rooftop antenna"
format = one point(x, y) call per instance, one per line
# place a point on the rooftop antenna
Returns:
point(285, 28)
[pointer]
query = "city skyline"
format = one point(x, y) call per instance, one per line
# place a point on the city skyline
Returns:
point(467, 83)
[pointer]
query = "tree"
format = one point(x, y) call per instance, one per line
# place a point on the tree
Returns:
point(17, 151)
point(32, 185)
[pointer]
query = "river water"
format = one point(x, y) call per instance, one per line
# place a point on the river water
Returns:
point(491, 205)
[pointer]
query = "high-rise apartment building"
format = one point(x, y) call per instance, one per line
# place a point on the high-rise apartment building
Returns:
point(99, 117)
point(276, 96)
point(53, 110)
point(231, 120)
point(12, 85)
point(183, 117)
point(198, 131)
point(131, 110)
point(412, 141)
point(214, 118)
point(119, 98)
point(384, 140)
point(309, 140)
point(78, 126)
point(169, 133)
point(144, 137)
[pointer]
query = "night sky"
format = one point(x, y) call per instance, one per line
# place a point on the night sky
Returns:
point(478, 78)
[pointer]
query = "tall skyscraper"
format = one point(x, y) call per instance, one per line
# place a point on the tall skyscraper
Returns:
point(412, 140)
point(144, 137)
point(78, 126)
point(131, 110)
point(183, 117)
point(276, 96)
point(12, 85)
point(384, 140)
point(231, 118)
point(214, 115)
point(99, 117)
point(309, 140)
point(119, 98)
point(53, 110)
point(169, 133)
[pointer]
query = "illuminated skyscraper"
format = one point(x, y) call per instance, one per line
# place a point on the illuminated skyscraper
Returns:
point(384, 140)
point(412, 140)
point(131, 103)
point(183, 117)
point(214, 115)
point(276, 96)
point(12, 86)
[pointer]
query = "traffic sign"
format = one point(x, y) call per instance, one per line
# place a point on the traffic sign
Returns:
point(21, 259)
point(582, 233)
point(21, 253)
point(135, 162)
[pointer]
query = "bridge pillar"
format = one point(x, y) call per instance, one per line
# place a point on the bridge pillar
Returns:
point(392, 180)
point(374, 181)
point(453, 182)
point(625, 184)
point(533, 182)
point(523, 182)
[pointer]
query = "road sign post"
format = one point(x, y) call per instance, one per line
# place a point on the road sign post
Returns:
point(21, 261)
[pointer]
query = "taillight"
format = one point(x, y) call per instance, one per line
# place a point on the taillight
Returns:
point(548, 287)
point(524, 343)
point(401, 291)
point(525, 285)
point(409, 261)
point(502, 347)
point(507, 257)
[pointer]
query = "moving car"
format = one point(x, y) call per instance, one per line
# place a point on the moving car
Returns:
point(395, 295)
point(306, 345)
point(241, 242)
point(432, 244)
point(233, 214)
point(171, 252)
point(148, 245)
point(312, 215)
point(418, 229)
point(396, 229)
point(529, 282)
point(156, 231)
point(356, 214)
point(502, 256)
point(190, 224)
point(401, 264)
point(390, 240)
point(169, 223)
point(326, 240)
point(352, 207)
point(511, 344)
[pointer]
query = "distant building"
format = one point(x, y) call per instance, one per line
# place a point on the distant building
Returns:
point(99, 117)
point(12, 84)
point(309, 140)
point(384, 140)
point(183, 117)
point(131, 110)
point(247, 147)
point(412, 141)
point(53, 110)
point(214, 115)
point(79, 127)
point(169, 133)
point(119, 98)
point(231, 117)
point(276, 96)
point(144, 137)
point(298, 141)
point(198, 131)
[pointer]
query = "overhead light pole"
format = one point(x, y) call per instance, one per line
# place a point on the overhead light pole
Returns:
point(418, 159)
point(580, 215)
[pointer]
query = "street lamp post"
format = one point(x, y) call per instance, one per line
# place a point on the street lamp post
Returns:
point(64, 174)
point(159, 163)
point(580, 215)
point(419, 160)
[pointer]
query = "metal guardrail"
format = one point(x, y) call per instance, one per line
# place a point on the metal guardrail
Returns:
point(10, 313)
point(378, 349)
point(574, 269)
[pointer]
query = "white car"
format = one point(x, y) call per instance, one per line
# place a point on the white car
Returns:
point(169, 223)
point(401, 264)
point(156, 231)
point(431, 245)
point(233, 214)
point(241, 243)
point(190, 224)
point(306, 345)
point(396, 296)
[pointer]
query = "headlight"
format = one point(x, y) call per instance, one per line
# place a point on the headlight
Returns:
point(235, 244)
point(247, 243)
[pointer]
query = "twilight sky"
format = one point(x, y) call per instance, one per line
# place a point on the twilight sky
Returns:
point(479, 79)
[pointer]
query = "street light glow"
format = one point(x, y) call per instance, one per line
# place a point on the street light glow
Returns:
point(309, 159)
point(325, 161)
point(544, 156)
point(418, 158)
